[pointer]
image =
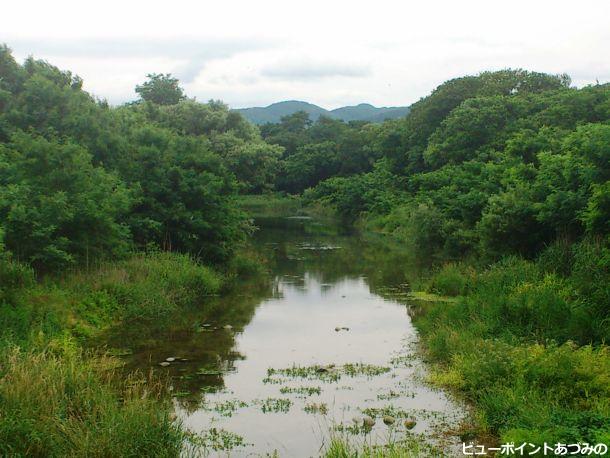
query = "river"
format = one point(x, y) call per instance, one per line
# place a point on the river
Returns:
point(285, 362)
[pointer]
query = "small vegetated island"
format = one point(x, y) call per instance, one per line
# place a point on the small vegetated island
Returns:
point(498, 184)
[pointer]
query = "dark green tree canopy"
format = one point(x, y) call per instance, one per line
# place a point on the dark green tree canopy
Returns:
point(161, 89)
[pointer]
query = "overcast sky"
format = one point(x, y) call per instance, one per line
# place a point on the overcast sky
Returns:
point(331, 53)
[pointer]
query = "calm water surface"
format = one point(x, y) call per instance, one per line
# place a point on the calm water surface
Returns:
point(248, 367)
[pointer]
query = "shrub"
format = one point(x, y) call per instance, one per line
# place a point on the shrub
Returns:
point(450, 280)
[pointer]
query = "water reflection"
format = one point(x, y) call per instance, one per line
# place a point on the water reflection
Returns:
point(284, 359)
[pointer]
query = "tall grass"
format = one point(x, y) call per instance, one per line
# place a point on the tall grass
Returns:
point(526, 342)
point(55, 399)
point(342, 447)
point(145, 287)
point(57, 403)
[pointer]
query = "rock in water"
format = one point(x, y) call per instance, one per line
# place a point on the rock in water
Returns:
point(389, 420)
point(410, 424)
point(171, 359)
point(164, 364)
point(228, 327)
point(368, 422)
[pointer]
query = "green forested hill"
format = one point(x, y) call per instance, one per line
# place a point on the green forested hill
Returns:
point(362, 112)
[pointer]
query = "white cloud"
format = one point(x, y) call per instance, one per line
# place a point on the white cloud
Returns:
point(311, 70)
point(330, 53)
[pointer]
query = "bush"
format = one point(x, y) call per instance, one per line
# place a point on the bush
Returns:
point(450, 280)
point(14, 277)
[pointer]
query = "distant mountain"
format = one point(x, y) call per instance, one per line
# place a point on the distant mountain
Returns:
point(362, 112)
point(368, 112)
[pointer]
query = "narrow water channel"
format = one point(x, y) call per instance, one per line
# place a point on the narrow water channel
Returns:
point(285, 362)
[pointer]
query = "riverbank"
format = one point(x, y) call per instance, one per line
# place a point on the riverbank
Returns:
point(524, 341)
point(59, 399)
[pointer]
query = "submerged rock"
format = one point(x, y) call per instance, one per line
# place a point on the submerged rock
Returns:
point(410, 423)
point(228, 327)
point(164, 364)
point(389, 420)
point(368, 422)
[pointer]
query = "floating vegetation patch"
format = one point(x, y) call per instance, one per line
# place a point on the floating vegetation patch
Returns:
point(391, 394)
point(274, 381)
point(355, 429)
point(313, 407)
point(119, 352)
point(429, 297)
point(404, 360)
point(209, 371)
point(303, 391)
point(220, 439)
point(275, 405)
point(329, 373)
point(227, 408)
point(387, 411)
point(370, 370)
point(323, 373)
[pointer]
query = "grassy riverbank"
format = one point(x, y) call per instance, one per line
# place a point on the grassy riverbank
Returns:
point(525, 342)
point(57, 399)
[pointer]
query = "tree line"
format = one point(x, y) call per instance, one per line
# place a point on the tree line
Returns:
point(80, 180)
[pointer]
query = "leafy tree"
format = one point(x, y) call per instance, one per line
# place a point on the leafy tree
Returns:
point(183, 195)
point(597, 214)
point(161, 89)
point(255, 165)
point(58, 208)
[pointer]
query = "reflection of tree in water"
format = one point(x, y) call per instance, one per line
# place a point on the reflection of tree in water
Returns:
point(198, 338)
point(330, 254)
point(295, 251)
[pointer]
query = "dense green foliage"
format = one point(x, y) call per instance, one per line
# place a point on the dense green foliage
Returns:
point(60, 402)
point(80, 181)
point(83, 187)
point(525, 343)
point(503, 163)
point(314, 152)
